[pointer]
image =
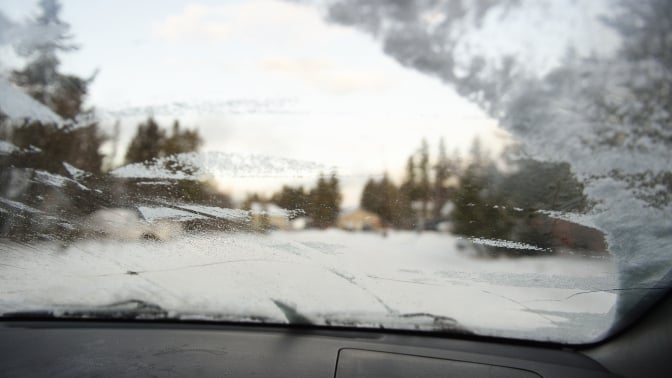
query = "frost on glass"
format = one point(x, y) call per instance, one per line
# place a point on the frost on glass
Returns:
point(560, 234)
point(605, 113)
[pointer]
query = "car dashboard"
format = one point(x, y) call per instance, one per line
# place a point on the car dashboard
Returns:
point(94, 348)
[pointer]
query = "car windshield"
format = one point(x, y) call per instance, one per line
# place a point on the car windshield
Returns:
point(492, 168)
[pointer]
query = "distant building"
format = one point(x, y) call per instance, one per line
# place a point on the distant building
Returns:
point(299, 223)
point(359, 220)
point(267, 216)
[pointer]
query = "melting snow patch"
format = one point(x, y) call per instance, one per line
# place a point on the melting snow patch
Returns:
point(18, 105)
point(580, 219)
point(219, 212)
point(164, 183)
point(7, 148)
point(55, 180)
point(275, 211)
point(19, 205)
point(193, 166)
point(506, 244)
point(50, 178)
point(152, 214)
point(75, 172)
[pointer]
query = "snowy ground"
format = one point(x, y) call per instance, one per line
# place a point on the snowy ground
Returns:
point(327, 276)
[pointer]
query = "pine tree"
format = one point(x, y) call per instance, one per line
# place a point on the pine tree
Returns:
point(424, 186)
point(151, 142)
point(291, 198)
point(388, 201)
point(181, 141)
point(48, 146)
point(409, 187)
point(325, 201)
point(405, 216)
point(408, 192)
point(370, 198)
point(442, 173)
point(40, 78)
point(479, 207)
point(380, 198)
point(78, 144)
point(147, 143)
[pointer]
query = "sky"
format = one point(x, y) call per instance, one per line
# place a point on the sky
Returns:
point(262, 77)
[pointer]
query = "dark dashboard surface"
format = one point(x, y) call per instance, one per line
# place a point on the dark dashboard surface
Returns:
point(85, 348)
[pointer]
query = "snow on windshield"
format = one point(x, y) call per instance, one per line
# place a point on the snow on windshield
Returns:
point(499, 169)
point(332, 277)
point(218, 164)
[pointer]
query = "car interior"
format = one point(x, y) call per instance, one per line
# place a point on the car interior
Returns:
point(42, 347)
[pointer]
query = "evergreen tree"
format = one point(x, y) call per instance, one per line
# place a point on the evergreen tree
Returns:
point(410, 185)
point(389, 197)
point(408, 192)
point(424, 186)
point(542, 185)
point(380, 198)
point(388, 201)
point(442, 174)
point(291, 198)
point(151, 142)
point(325, 201)
point(40, 77)
point(109, 160)
point(479, 208)
point(369, 198)
point(147, 143)
point(50, 147)
point(181, 141)
point(405, 216)
point(77, 145)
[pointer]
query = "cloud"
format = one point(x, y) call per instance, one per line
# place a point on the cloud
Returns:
point(193, 22)
point(284, 40)
point(327, 76)
point(257, 19)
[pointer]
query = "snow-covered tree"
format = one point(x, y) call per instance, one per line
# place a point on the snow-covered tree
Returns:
point(74, 136)
point(41, 78)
